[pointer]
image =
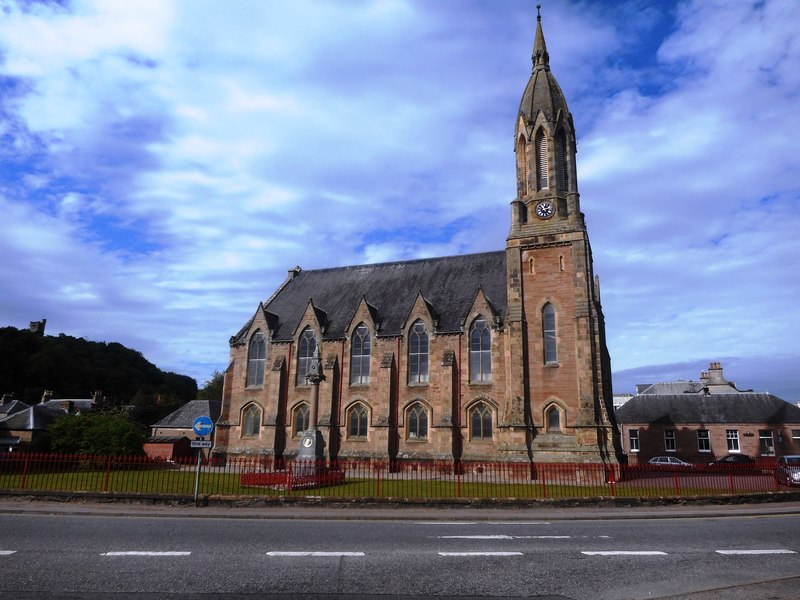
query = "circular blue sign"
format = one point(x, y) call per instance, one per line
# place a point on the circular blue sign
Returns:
point(203, 426)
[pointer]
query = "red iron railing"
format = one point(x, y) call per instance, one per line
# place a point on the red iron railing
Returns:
point(350, 479)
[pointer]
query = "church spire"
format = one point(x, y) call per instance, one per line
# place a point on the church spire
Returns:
point(540, 57)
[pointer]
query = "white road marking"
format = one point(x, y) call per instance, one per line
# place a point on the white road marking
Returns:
point(7, 552)
point(542, 537)
point(446, 523)
point(277, 553)
point(625, 553)
point(480, 553)
point(775, 551)
point(474, 537)
point(146, 553)
point(518, 523)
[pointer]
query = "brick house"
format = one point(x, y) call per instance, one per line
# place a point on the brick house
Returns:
point(492, 356)
point(700, 421)
point(171, 437)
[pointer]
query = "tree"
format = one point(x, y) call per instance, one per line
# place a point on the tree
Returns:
point(212, 389)
point(102, 433)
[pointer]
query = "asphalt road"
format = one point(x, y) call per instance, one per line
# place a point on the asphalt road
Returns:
point(119, 551)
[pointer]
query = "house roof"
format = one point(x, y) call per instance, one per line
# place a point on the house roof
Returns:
point(743, 407)
point(11, 407)
point(184, 417)
point(165, 439)
point(449, 285)
point(32, 418)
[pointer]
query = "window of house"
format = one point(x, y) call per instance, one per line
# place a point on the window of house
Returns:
point(305, 354)
point(766, 443)
point(549, 334)
point(357, 422)
point(541, 161)
point(669, 440)
point(796, 441)
point(256, 359)
point(553, 419)
point(703, 440)
point(251, 420)
point(480, 351)
point(359, 355)
point(301, 419)
point(733, 439)
point(418, 353)
point(481, 422)
point(417, 422)
point(633, 437)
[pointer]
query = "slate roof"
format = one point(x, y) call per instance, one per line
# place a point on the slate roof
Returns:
point(713, 408)
point(77, 403)
point(449, 285)
point(31, 419)
point(184, 417)
point(11, 407)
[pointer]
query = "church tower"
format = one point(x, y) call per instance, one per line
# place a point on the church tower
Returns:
point(559, 362)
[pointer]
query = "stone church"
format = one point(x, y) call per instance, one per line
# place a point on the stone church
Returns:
point(495, 356)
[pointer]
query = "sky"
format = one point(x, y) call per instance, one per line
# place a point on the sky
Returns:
point(164, 163)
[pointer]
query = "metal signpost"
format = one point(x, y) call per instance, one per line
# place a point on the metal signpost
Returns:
point(202, 426)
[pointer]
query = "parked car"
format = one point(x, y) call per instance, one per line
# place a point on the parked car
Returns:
point(670, 462)
point(733, 459)
point(787, 470)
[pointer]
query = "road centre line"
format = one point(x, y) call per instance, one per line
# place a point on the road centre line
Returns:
point(480, 553)
point(624, 553)
point(775, 551)
point(302, 553)
point(474, 537)
point(446, 523)
point(7, 552)
point(146, 553)
point(518, 523)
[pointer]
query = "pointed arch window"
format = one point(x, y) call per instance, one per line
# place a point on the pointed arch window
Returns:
point(251, 420)
point(357, 421)
point(418, 353)
point(542, 170)
point(480, 351)
point(522, 165)
point(417, 422)
point(549, 334)
point(562, 175)
point(480, 418)
point(256, 359)
point(305, 354)
point(360, 349)
point(300, 419)
point(553, 419)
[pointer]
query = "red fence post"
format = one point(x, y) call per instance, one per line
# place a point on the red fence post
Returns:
point(24, 479)
point(108, 473)
point(676, 483)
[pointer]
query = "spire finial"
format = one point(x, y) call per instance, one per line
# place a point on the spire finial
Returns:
point(538, 11)
point(540, 56)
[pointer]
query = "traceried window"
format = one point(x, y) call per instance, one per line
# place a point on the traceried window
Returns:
point(305, 354)
point(481, 422)
point(703, 440)
point(417, 422)
point(732, 436)
point(357, 422)
point(256, 359)
point(480, 351)
point(541, 161)
point(251, 420)
point(549, 334)
point(522, 165)
point(359, 355)
point(669, 440)
point(301, 419)
point(553, 419)
point(766, 442)
point(418, 353)
point(633, 438)
point(561, 160)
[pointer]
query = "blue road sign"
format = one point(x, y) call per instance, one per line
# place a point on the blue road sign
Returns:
point(203, 426)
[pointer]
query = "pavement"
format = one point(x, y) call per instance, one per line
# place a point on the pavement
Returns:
point(127, 507)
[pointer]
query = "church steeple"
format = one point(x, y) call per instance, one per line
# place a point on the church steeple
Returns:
point(540, 57)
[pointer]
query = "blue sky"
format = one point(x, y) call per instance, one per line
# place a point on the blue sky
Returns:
point(163, 163)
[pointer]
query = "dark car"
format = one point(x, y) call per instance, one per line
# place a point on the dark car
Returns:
point(733, 460)
point(787, 470)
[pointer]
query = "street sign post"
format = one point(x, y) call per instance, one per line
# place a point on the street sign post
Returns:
point(202, 426)
point(202, 444)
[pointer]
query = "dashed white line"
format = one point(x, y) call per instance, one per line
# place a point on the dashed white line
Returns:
point(474, 537)
point(7, 552)
point(277, 553)
point(146, 553)
point(775, 551)
point(542, 537)
point(624, 553)
point(480, 553)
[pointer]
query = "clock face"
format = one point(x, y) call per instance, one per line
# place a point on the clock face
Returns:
point(545, 209)
point(307, 442)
